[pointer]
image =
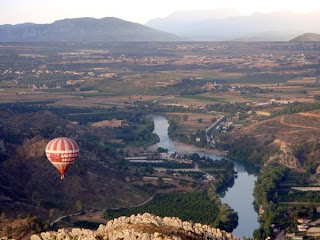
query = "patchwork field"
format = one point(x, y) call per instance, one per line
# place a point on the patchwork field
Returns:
point(193, 122)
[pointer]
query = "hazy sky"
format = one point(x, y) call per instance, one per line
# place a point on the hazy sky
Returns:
point(47, 11)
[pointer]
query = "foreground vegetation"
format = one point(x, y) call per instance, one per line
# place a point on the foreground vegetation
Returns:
point(280, 207)
point(20, 227)
point(197, 207)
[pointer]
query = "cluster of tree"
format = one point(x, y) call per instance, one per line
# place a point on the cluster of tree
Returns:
point(267, 183)
point(198, 139)
point(223, 180)
point(299, 107)
point(173, 129)
point(194, 175)
point(148, 187)
point(265, 193)
point(230, 108)
point(156, 108)
point(166, 164)
point(252, 90)
point(283, 216)
point(190, 86)
point(208, 163)
point(245, 149)
point(305, 153)
point(223, 170)
point(195, 207)
point(256, 75)
point(143, 171)
point(15, 229)
point(108, 114)
point(86, 224)
point(227, 218)
point(138, 134)
point(298, 196)
point(162, 150)
point(26, 107)
point(192, 92)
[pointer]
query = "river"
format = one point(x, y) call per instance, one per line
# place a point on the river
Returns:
point(239, 196)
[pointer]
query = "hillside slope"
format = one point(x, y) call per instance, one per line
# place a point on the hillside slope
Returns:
point(290, 140)
point(30, 184)
point(83, 29)
point(307, 37)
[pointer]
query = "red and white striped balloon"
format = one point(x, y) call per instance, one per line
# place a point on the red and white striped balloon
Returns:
point(62, 152)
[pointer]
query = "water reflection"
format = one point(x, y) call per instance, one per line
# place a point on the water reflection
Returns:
point(239, 196)
point(161, 129)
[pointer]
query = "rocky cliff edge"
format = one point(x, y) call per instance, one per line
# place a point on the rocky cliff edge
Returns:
point(142, 226)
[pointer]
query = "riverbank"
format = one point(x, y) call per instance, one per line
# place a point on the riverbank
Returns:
point(184, 148)
point(239, 197)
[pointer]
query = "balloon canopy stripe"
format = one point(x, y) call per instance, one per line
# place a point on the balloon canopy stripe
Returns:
point(68, 145)
point(62, 152)
point(74, 145)
point(58, 151)
point(55, 144)
point(61, 144)
point(62, 147)
point(49, 144)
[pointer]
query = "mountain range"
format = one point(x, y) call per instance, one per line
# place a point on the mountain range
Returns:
point(197, 25)
point(226, 24)
point(83, 29)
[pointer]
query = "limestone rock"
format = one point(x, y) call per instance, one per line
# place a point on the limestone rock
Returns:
point(142, 226)
point(35, 237)
point(284, 156)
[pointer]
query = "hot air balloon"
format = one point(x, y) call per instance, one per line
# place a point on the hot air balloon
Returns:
point(62, 152)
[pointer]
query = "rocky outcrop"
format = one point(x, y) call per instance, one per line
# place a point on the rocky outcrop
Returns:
point(2, 147)
point(142, 226)
point(284, 156)
point(3, 150)
point(32, 148)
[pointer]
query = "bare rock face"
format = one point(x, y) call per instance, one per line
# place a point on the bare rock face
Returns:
point(284, 156)
point(144, 227)
point(2, 147)
point(3, 151)
point(33, 148)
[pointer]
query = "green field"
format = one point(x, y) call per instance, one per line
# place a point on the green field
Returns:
point(195, 207)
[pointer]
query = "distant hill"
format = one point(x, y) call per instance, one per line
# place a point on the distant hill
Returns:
point(290, 140)
point(307, 37)
point(83, 29)
point(228, 25)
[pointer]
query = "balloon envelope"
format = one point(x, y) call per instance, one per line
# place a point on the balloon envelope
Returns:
point(62, 152)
